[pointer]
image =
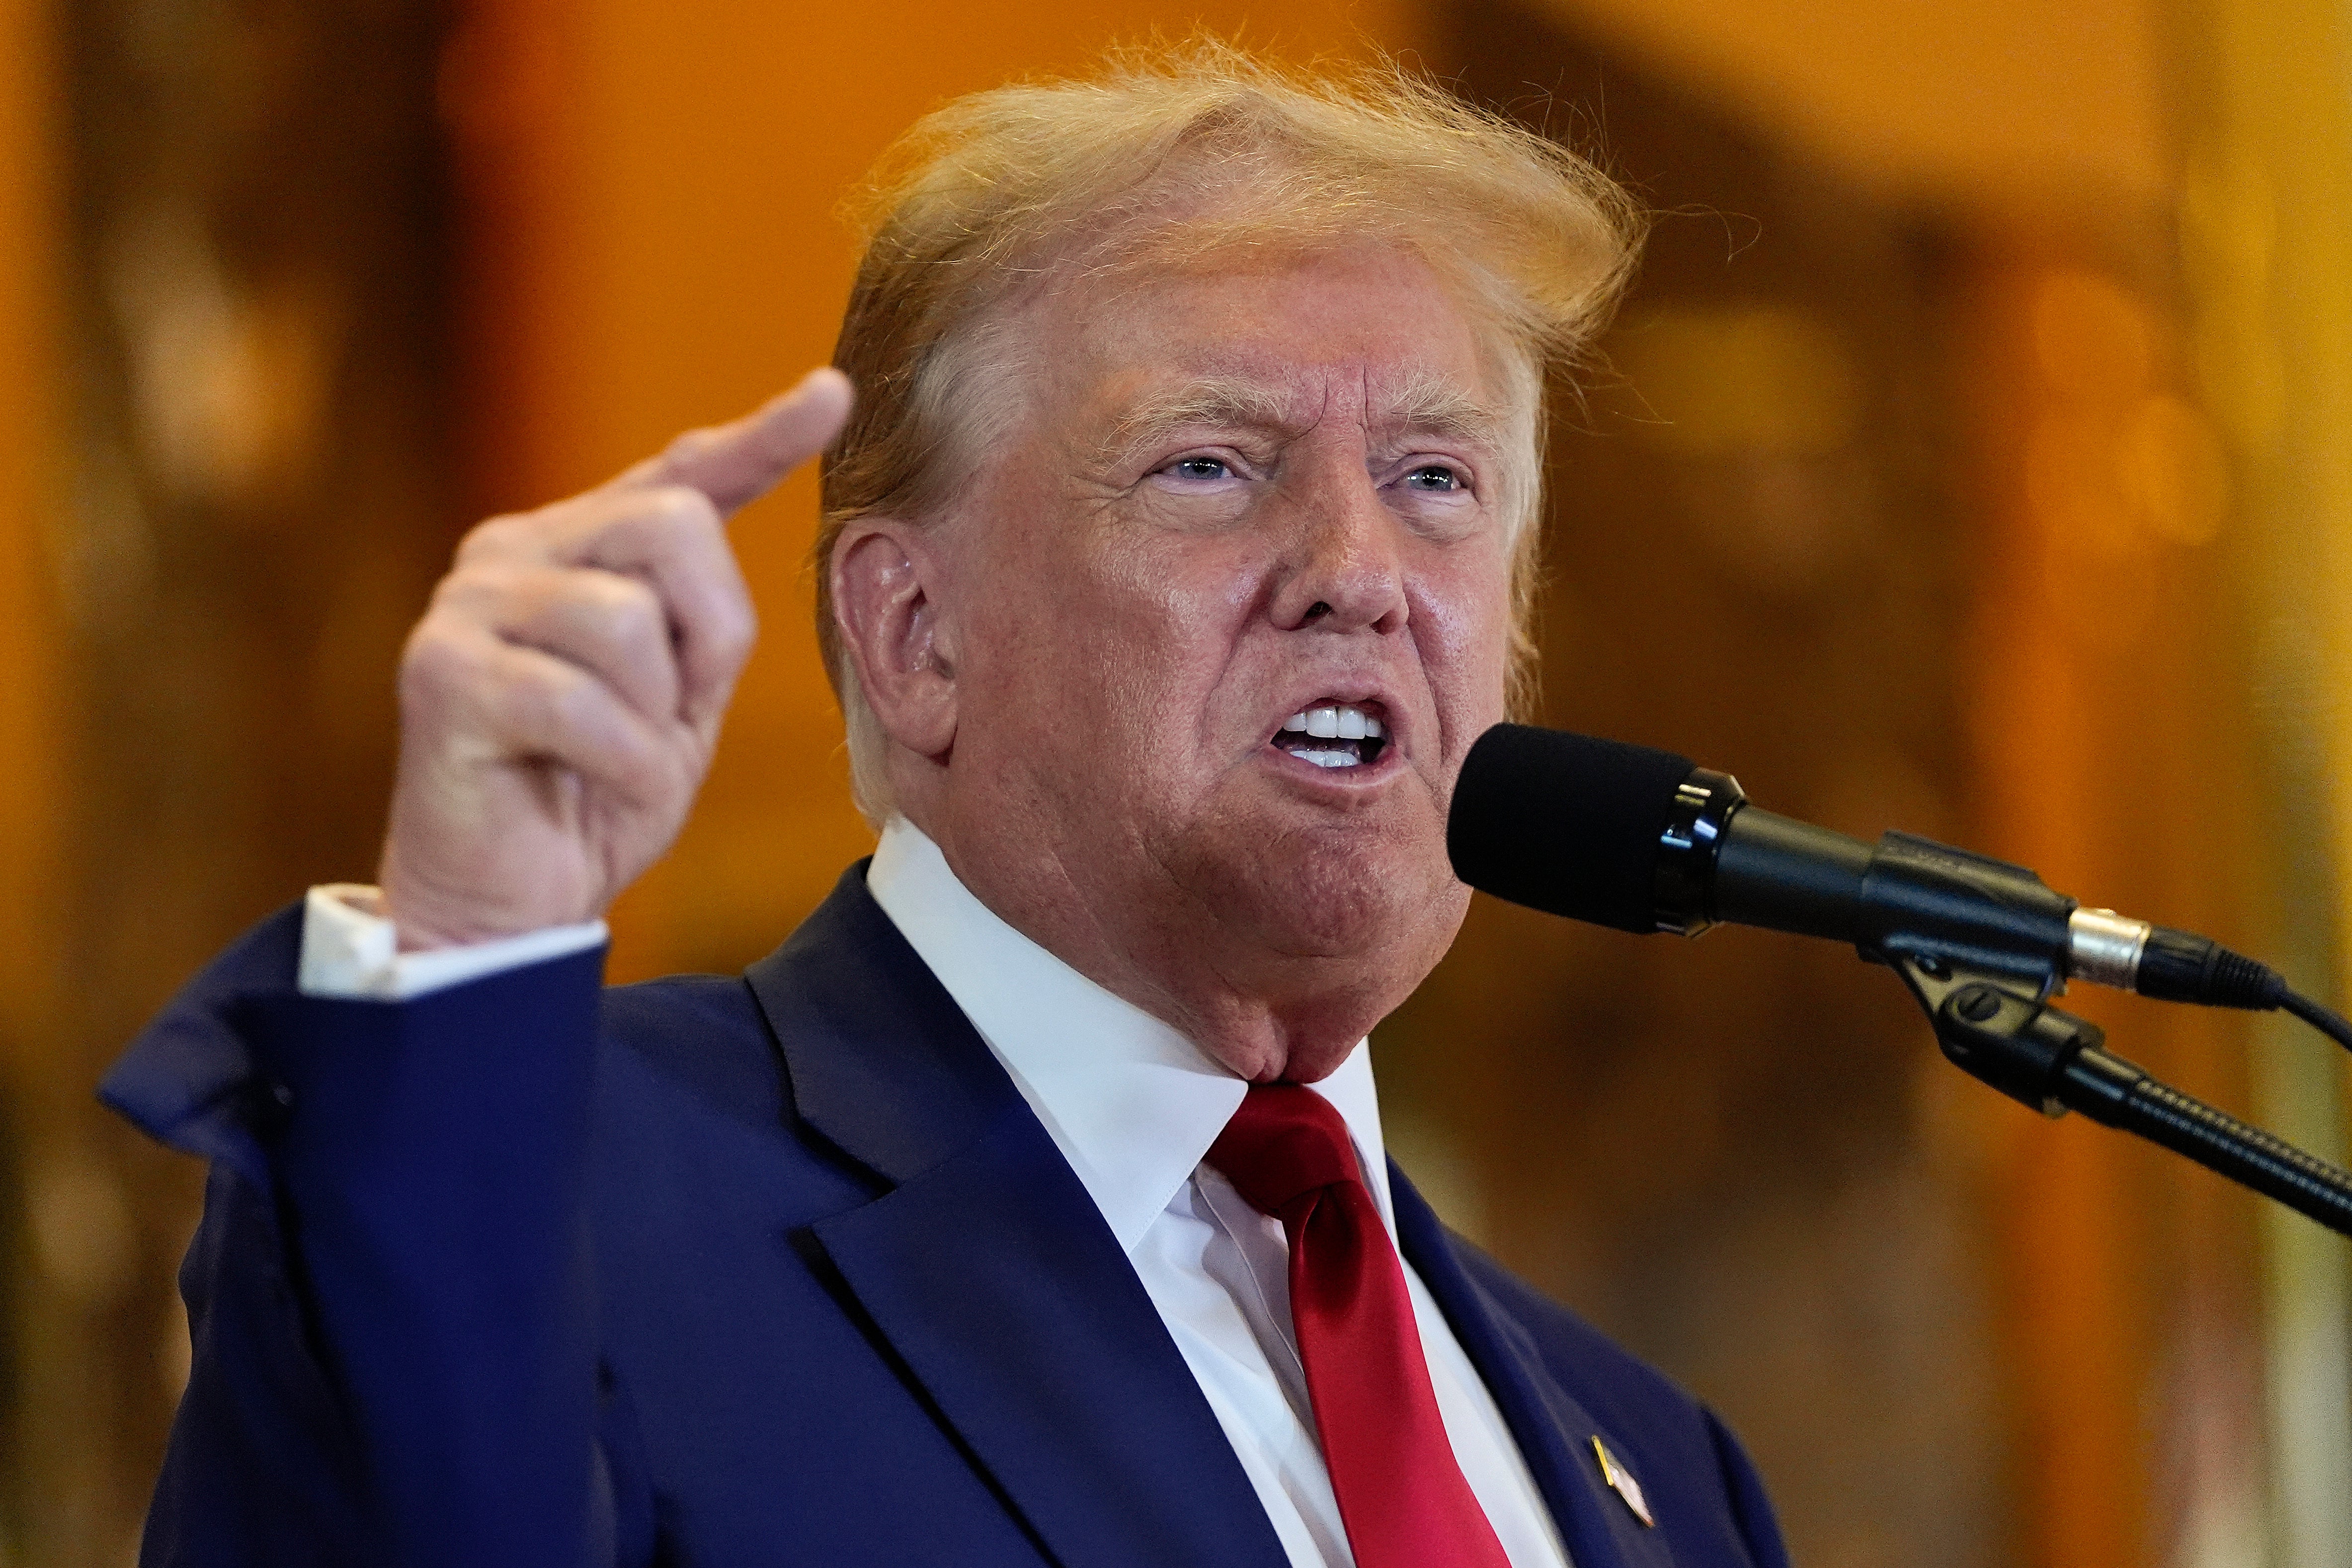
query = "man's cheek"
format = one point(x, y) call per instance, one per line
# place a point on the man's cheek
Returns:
point(1472, 624)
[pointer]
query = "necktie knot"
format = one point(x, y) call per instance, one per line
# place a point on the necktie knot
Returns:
point(1285, 1142)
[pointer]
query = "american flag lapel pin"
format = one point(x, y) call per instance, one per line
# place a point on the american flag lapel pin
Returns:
point(1621, 1481)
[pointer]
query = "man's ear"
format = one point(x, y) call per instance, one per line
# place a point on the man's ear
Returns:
point(886, 605)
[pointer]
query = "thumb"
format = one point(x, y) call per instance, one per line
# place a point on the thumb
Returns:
point(737, 463)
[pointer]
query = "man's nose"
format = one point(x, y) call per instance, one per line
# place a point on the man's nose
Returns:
point(1342, 569)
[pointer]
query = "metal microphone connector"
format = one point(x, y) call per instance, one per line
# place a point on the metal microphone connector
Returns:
point(2105, 947)
point(2109, 948)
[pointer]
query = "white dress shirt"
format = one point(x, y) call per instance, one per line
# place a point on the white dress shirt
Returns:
point(1133, 1106)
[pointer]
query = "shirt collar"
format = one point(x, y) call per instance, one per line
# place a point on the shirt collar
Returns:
point(1132, 1104)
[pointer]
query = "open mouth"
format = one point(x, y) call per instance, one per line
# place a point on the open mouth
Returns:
point(1337, 735)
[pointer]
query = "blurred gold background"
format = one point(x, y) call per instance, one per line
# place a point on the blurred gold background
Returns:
point(1977, 460)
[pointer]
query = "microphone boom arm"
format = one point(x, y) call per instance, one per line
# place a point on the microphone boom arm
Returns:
point(1997, 1027)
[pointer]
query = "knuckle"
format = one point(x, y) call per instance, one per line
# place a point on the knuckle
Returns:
point(692, 446)
point(492, 536)
point(622, 594)
point(736, 628)
point(675, 510)
point(471, 583)
point(439, 670)
point(430, 653)
point(618, 608)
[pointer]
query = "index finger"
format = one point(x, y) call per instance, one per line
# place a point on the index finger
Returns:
point(736, 464)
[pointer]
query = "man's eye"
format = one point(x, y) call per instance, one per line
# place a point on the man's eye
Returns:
point(1433, 477)
point(1198, 469)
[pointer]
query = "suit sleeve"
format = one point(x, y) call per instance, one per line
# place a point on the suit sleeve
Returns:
point(391, 1297)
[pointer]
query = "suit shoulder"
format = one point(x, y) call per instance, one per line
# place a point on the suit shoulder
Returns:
point(704, 1033)
point(648, 1009)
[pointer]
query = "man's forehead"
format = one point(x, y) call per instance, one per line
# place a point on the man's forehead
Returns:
point(1268, 340)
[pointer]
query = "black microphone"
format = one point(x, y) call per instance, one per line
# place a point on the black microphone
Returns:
point(1643, 840)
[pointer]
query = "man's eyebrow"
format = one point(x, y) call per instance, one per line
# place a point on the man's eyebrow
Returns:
point(1426, 404)
point(1220, 403)
point(1433, 405)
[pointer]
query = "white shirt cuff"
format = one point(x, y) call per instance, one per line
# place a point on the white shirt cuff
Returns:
point(352, 953)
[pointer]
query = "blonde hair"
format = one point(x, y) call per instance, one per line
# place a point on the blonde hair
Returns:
point(1176, 155)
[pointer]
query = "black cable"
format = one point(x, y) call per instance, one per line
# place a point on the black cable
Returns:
point(2181, 966)
point(2327, 1020)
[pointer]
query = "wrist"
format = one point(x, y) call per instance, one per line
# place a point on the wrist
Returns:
point(350, 951)
point(430, 917)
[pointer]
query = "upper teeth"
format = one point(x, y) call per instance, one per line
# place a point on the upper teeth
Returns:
point(1344, 721)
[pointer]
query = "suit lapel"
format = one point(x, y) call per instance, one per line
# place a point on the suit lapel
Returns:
point(1554, 1432)
point(986, 1267)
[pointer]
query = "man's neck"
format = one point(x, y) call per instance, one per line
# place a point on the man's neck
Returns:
point(1132, 1103)
point(1265, 1018)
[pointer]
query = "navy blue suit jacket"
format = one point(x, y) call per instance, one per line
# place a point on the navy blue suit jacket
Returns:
point(768, 1269)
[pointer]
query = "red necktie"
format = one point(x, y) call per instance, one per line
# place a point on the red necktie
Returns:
point(1402, 1495)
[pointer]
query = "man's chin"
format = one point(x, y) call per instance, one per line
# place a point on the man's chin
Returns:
point(1333, 900)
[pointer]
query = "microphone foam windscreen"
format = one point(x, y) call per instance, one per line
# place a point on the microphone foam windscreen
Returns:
point(1564, 823)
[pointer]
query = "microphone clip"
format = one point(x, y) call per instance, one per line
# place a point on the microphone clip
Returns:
point(1965, 912)
point(1997, 1026)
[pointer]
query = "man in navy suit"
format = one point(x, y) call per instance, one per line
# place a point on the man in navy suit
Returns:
point(1028, 1204)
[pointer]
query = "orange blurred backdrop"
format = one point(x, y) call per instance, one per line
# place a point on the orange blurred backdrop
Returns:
point(1977, 461)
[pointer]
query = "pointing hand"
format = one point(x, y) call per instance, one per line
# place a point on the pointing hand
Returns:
point(562, 697)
